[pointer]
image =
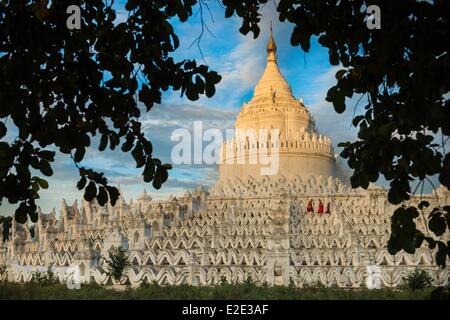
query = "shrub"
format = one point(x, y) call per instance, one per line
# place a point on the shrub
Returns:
point(223, 281)
point(417, 280)
point(117, 262)
point(249, 281)
point(319, 285)
point(43, 277)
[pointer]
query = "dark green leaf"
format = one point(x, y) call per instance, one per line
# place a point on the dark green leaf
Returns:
point(90, 192)
point(45, 168)
point(102, 196)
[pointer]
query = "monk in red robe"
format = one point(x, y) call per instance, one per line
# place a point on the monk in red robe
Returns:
point(320, 210)
point(310, 208)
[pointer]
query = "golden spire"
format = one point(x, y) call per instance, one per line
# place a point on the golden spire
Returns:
point(272, 80)
point(271, 47)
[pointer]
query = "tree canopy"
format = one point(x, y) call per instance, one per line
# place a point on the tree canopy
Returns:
point(61, 87)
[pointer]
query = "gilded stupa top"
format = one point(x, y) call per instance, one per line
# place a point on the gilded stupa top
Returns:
point(273, 105)
point(272, 83)
point(275, 122)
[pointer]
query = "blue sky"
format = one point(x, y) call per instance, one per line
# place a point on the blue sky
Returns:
point(240, 60)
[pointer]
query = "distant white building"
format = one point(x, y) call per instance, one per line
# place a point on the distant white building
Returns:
point(303, 225)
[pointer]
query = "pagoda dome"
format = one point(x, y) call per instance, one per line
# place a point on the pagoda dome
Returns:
point(274, 108)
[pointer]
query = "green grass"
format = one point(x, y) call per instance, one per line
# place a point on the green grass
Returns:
point(226, 291)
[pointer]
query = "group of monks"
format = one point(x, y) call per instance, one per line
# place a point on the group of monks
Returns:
point(320, 210)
